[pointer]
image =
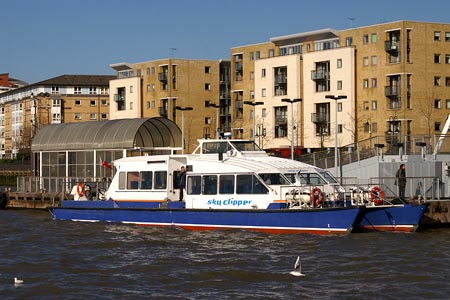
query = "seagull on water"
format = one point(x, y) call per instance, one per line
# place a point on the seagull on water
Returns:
point(17, 281)
point(297, 268)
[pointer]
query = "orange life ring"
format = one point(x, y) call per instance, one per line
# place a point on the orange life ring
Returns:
point(316, 197)
point(377, 195)
point(81, 189)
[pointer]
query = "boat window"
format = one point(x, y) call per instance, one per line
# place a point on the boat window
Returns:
point(290, 177)
point(274, 178)
point(122, 180)
point(160, 180)
point(209, 184)
point(132, 180)
point(329, 177)
point(226, 184)
point(250, 184)
point(146, 180)
point(311, 179)
point(194, 185)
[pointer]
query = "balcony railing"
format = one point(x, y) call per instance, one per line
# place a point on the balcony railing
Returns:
point(391, 46)
point(280, 79)
point(162, 76)
point(280, 120)
point(319, 75)
point(320, 118)
point(392, 91)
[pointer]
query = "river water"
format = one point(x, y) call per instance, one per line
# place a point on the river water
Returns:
point(73, 260)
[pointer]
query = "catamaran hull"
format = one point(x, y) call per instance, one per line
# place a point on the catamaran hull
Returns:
point(313, 221)
point(403, 218)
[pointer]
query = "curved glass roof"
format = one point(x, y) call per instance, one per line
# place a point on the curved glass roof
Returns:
point(108, 134)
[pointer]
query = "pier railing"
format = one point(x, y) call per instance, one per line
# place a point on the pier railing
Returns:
point(66, 185)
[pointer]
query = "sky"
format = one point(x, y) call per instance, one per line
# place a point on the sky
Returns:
point(42, 39)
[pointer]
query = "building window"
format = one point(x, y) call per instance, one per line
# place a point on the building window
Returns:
point(437, 126)
point(447, 104)
point(207, 121)
point(93, 116)
point(153, 104)
point(339, 84)
point(104, 116)
point(263, 92)
point(258, 54)
point(131, 89)
point(280, 121)
point(77, 90)
point(207, 86)
point(339, 128)
point(339, 106)
point(138, 72)
point(55, 90)
point(207, 69)
point(447, 58)
point(104, 102)
point(374, 82)
point(207, 103)
point(263, 72)
point(437, 35)
point(437, 81)
point(374, 60)
point(348, 41)
point(437, 58)
point(92, 90)
point(339, 63)
point(374, 38)
point(252, 75)
point(153, 87)
point(153, 70)
point(131, 105)
point(366, 105)
point(365, 39)
point(365, 83)
point(447, 81)
point(252, 56)
point(271, 53)
point(93, 103)
point(77, 116)
point(252, 94)
point(447, 36)
point(263, 113)
point(374, 104)
point(148, 71)
point(365, 61)
point(77, 102)
point(437, 103)
point(148, 105)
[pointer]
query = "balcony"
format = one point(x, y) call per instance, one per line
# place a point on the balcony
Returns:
point(319, 75)
point(391, 46)
point(392, 91)
point(119, 98)
point(280, 121)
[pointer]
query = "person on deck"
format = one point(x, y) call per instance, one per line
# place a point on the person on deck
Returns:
point(182, 181)
point(400, 180)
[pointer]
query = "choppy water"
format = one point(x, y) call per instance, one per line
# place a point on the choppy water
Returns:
point(69, 260)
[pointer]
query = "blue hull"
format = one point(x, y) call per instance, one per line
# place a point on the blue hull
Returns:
point(405, 218)
point(315, 221)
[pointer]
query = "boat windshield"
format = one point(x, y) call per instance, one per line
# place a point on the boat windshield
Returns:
point(245, 146)
point(290, 177)
point(311, 179)
point(274, 178)
point(328, 177)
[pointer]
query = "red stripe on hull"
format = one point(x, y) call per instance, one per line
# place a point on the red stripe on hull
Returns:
point(404, 228)
point(265, 230)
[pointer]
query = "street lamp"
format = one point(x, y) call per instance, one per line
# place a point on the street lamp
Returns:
point(292, 101)
point(254, 113)
point(335, 98)
point(217, 106)
point(182, 124)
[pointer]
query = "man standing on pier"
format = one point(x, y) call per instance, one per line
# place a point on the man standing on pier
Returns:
point(400, 180)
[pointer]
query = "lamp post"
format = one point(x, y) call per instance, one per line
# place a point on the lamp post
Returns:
point(335, 98)
point(217, 107)
point(369, 127)
point(182, 124)
point(254, 113)
point(292, 101)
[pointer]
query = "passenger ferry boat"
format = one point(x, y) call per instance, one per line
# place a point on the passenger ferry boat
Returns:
point(231, 184)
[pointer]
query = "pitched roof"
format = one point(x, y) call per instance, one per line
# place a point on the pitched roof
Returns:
point(78, 80)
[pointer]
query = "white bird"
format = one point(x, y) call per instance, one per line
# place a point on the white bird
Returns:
point(297, 268)
point(17, 281)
